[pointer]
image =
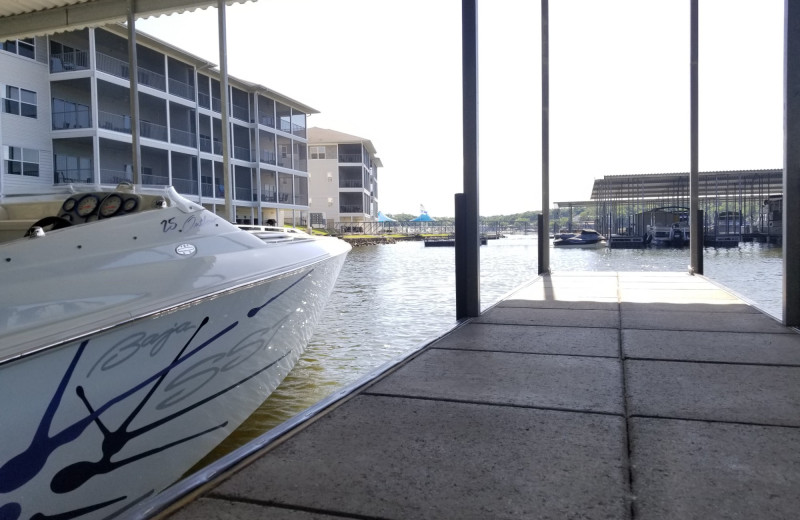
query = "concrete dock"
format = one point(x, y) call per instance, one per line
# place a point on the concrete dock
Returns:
point(581, 395)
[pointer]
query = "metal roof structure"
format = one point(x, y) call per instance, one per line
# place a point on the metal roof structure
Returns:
point(28, 18)
point(668, 185)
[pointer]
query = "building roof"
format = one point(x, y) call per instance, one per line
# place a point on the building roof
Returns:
point(318, 136)
point(27, 18)
point(655, 185)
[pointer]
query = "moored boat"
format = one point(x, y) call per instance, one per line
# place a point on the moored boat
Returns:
point(138, 331)
point(580, 238)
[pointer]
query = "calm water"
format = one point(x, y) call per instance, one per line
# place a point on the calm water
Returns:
point(391, 299)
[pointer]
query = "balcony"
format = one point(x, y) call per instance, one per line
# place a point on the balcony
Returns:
point(120, 69)
point(74, 176)
point(183, 137)
point(114, 176)
point(122, 123)
point(242, 153)
point(181, 89)
point(155, 180)
point(267, 120)
point(350, 183)
point(69, 61)
point(186, 186)
point(152, 131)
point(351, 208)
point(350, 158)
point(244, 194)
point(241, 113)
point(78, 118)
point(268, 157)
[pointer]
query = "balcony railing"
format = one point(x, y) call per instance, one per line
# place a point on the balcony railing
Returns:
point(350, 183)
point(204, 100)
point(121, 69)
point(181, 89)
point(205, 144)
point(75, 176)
point(114, 176)
point(152, 131)
point(268, 157)
point(183, 137)
point(186, 186)
point(122, 123)
point(245, 194)
point(240, 113)
point(66, 61)
point(351, 208)
point(155, 180)
point(267, 120)
point(72, 119)
point(349, 157)
point(115, 122)
point(242, 153)
point(208, 189)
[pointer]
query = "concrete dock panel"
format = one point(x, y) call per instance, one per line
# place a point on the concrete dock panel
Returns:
point(717, 392)
point(390, 457)
point(577, 341)
point(560, 382)
point(697, 470)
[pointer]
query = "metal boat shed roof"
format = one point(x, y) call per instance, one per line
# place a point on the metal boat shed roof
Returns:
point(27, 18)
point(661, 185)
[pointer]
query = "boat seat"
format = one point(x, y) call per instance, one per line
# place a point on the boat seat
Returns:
point(16, 219)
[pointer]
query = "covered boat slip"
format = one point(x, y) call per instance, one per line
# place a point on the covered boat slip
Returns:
point(580, 395)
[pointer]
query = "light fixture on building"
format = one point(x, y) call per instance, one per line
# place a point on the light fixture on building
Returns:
point(330, 201)
point(330, 177)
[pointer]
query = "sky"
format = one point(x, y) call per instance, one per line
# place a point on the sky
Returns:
point(390, 72)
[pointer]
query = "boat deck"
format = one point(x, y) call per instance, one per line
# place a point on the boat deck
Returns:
point(581, 395)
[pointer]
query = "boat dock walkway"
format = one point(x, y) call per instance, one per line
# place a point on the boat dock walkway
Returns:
point(581, 395)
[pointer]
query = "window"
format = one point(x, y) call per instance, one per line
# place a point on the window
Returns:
point(20, 102)
point(21, 161)
point(24, 47)
point(316, 152)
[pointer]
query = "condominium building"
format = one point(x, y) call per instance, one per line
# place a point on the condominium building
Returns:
point(343, 172)
point(66, 119)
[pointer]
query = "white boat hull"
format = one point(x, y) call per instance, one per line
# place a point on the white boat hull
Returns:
point(127, 403)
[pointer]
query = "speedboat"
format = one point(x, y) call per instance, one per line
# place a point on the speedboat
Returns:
point(137, 331)
point(672, 235)
point(580, 238)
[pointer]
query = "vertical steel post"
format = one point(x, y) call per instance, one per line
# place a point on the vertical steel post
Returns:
point(791, 164)
point(695, 235)
point(542, 245)
point(227, 185)
point(133, 71)
point(467, 249)
point(544, 229)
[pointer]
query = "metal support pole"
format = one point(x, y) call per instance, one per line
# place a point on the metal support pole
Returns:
point(230, 211)
point(791, 164)
point(544, 241)
point(468, 248)
point(133, 68)
point(542, 245)
point(695, 231)
point(698, 267)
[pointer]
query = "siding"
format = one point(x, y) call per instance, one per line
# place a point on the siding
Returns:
point(24, 131)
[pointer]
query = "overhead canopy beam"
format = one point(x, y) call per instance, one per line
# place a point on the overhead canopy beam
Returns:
point(66, 15)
